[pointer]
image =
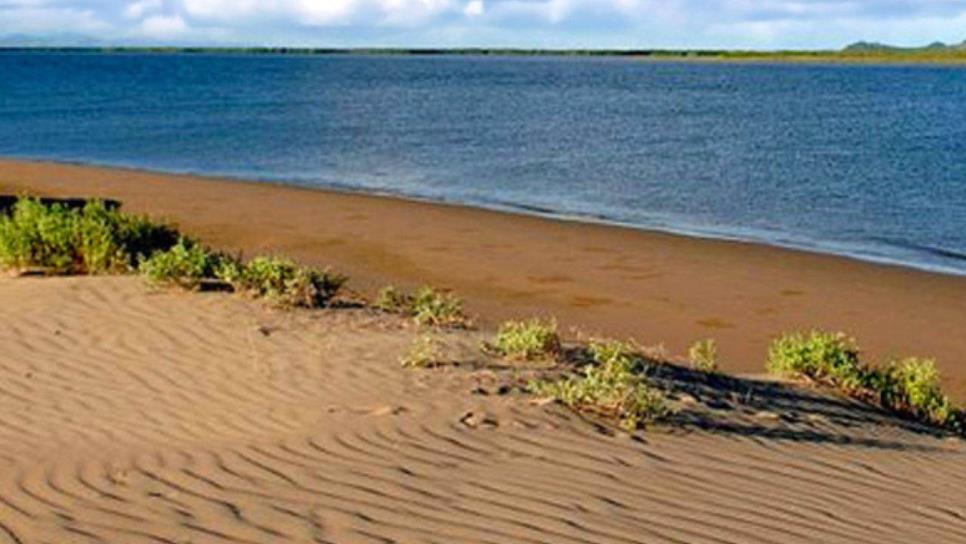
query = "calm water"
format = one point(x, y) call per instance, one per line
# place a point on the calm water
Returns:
point(858, 160)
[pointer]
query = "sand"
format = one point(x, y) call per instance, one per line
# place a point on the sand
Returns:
point(657, 288)
point(129, 415)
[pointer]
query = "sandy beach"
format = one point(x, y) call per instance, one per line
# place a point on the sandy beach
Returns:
point(132, 415)
point(656, 288)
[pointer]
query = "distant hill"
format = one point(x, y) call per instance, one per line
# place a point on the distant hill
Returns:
point(876, 47)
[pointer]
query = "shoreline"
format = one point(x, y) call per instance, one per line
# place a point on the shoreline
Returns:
point(614, 280)
point(528, 211)
point(950, 57)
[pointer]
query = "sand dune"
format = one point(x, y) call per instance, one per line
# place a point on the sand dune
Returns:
point(129, 415)
point(605, 280)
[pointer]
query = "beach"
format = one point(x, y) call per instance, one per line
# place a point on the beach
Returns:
point(659, 289)
point(137, 415)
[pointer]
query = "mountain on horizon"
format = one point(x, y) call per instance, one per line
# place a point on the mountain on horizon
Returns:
point(864, 46)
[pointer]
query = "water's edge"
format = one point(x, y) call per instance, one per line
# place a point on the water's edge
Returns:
point(804, 245)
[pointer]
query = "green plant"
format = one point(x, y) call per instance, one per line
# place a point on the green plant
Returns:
point(822, 356)
point(229, 270)
point(912, 386)
point(393, 300)
point(438, 308)
point(35, 235)
point(530, 340)
point(703, 355)
point(92, 239)
point(186, 265)
point(614, 385)
point(425, 352)
point(285, 283)
point(427, 306)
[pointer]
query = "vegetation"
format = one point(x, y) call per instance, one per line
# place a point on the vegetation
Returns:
point(393, 300)
point(425, 352)
point(703, 355)
point(92, 239)
point(278, 280)
point(531, 340)
point(95, 238)
point(187, 264)
point(860, 52)
point(910, 387)
point(285, 283)
point(427, 306)
point(613, 385)
point(821, 356)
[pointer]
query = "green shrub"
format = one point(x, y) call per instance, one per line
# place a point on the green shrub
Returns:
point(285, 283)
point(427, 306)
point(438, 308)
point(424, 352)
point(704, 355)
point(93, 239)
point(229, 270)
point(614, 385)
point(186, 265)
point(912, 386)
point(527, 340)
point(822, 356)
point(393, 300)
point(35, 235)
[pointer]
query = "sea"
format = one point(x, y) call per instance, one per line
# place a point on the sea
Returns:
point(864, 161)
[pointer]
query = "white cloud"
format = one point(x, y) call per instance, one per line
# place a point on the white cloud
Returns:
point(321, 12)
point(136, 10)
point(161, 27)
point(474, 8)
point(531, 23)
point(34, 17)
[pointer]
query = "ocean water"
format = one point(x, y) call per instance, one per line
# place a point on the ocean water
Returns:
point(864, 161)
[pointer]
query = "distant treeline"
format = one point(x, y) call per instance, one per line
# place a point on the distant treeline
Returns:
point(855, 53)
point(388, 51)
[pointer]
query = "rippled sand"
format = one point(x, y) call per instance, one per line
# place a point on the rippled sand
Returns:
point(128, 415)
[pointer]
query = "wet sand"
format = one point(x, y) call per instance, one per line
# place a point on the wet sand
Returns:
point(657, 288)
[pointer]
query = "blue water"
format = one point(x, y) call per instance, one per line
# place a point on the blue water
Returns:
point(866, 161)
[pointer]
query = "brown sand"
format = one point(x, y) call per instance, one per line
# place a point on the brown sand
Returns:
point(655, 287)
point(132, 416)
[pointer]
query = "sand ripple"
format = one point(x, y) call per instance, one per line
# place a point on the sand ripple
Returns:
point(131, 416)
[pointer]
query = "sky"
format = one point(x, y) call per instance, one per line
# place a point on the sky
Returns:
point(727, 24)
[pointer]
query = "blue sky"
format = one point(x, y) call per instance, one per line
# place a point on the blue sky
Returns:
point(757, 24)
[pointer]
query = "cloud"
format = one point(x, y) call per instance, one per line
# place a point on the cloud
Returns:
point(475, 8)
point(527, 23)
point(321, 13)
point(136, 10)
point(161, 27)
